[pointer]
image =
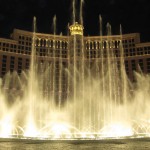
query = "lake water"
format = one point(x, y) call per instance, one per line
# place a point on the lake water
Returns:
point(115, 144)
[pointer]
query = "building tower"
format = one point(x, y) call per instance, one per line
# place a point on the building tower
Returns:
point(76, 57)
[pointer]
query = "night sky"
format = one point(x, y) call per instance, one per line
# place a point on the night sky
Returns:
point(133, 15)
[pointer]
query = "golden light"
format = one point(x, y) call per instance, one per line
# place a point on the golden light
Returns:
point(6, 127)
point(31, 130)
point(117, 130)
point(76, 29)
point(60, 129)
point(85, 135)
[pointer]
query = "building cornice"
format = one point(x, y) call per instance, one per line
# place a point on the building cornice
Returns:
point(8, 41)
point(143, 44)
point(39, 35)
point(124, 36)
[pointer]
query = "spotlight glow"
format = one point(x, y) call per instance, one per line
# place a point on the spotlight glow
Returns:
point(117, 130)
point(31, 130)
point(60, 129)
point(6, 127)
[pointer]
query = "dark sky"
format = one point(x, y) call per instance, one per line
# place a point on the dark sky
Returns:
point(134, 15)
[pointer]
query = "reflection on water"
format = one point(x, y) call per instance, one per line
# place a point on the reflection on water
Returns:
point(135, 144)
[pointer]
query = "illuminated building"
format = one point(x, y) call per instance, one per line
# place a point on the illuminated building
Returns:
point(15, 52)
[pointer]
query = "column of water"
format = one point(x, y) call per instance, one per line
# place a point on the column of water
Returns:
point(54, 62)
point(74, 67)
point(74, 78)
point(112, 76)
point(82, 67)
point(81, 11)
point(32, 87)
point(49, 71)
point(98, 100)
point(60, 79)
point(33, 69)
point(90, 87)
point(68, 88)
point(109, 69)
point(41, 90)
point(115, 80)
point(102, 74)
point(32, 66)
point(123, 75)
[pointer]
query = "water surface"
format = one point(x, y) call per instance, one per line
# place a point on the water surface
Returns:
point(125, 144)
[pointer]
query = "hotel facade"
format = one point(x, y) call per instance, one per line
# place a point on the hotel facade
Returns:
point(15, 53)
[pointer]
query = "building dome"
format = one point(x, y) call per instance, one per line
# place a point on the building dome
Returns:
point(76, 29)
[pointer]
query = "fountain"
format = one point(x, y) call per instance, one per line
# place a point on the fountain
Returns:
point(97, 102)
